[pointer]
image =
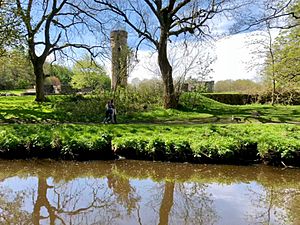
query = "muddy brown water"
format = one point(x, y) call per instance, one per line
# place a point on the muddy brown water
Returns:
point(138, 192)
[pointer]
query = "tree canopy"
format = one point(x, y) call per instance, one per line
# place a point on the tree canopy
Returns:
point(89, 74)
point(10, 32)
point(286, 58)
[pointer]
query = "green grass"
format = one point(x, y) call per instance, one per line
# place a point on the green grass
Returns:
point(15, 92)
point(90, 109)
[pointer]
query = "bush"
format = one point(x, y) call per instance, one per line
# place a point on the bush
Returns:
point(274, 150)
point(132, 147)
point(11, 146)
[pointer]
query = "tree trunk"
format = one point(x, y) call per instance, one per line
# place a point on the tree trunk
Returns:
point(39, 81)
point(167, 203)
point(42, 201)
point(170, 98)
point(273, 90)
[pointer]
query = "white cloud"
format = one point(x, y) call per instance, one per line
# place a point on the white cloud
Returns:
point(232, 53)
point(233, 58)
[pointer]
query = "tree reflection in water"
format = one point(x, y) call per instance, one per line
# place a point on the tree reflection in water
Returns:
point(76, 202)
point(195, 204)
point(124, 193)
point(145, 193)
point(166, 203)
point(274, 206)
point(11, 210)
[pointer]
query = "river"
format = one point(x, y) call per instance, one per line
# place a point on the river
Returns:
point(139, 192)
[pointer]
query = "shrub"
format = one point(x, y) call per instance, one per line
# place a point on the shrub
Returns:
point(11, 146)
point(131, 147)
point(274, 150)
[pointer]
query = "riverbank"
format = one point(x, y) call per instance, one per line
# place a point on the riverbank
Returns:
point(276, 144)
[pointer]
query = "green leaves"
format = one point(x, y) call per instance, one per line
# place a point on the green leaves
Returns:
point(16, 71)
point(89, 74)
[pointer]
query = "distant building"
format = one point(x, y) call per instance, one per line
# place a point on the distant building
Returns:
point(194, 85)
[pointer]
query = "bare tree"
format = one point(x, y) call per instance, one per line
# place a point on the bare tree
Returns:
point(55, 28)
point(262, 47)
point(159, 22)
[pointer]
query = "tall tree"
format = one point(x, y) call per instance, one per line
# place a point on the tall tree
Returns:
point(159, 22)
point(282, 65)
point(54, 26)
point(262, 47)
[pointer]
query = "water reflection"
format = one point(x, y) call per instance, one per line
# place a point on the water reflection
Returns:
point(134, 192)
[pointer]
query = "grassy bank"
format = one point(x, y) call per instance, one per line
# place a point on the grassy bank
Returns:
point(200, 131)
point(235, 143)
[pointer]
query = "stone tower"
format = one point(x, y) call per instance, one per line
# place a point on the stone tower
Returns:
point(119, 49)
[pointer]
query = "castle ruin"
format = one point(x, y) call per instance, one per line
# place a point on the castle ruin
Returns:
point(119, 48)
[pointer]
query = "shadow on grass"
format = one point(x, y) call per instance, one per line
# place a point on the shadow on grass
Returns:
point(25, 115)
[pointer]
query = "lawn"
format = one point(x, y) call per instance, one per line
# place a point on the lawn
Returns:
point(90, 109)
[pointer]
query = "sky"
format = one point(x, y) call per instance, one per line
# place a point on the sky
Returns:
point(233, 57)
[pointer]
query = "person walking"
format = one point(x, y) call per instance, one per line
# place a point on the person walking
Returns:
point(114, 114)
point(108, 113)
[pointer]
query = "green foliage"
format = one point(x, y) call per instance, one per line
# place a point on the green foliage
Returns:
point(16, 71)
point(64, 142)
point(195, 143)
point(10, 31)
point(275, 150)
point(131, 147)
point(135, 100)
point(286, 57)
point(89, 74)
point(62, 72)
